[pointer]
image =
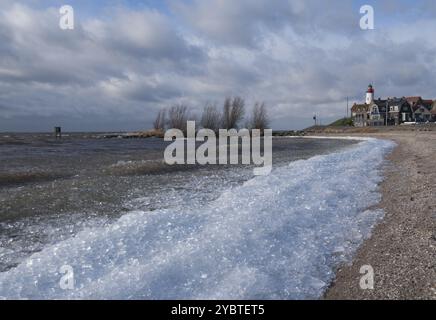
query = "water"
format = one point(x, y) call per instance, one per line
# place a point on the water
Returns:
point(132, 227)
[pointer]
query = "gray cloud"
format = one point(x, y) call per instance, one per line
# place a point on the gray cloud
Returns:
point(115, 72)
point(248, 23)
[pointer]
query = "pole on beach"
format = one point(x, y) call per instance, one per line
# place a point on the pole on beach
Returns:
point(387, 105)
point(58, 132)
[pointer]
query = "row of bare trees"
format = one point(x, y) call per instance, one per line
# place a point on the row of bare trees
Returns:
point(230, 117)
point(160, 121)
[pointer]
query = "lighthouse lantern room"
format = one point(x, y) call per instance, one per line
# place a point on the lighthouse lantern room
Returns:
point(370, 95)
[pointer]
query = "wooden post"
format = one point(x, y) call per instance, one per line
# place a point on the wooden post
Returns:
point(58, 132)
point(387, 106)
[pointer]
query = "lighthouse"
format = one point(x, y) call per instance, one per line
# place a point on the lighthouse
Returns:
point(370, 95)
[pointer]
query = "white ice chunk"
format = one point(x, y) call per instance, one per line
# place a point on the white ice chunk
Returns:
point(275, 237)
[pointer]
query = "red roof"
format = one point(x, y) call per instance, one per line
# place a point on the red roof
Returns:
point(413, 100)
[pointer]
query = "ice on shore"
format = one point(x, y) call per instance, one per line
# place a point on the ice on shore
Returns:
point(276, 237)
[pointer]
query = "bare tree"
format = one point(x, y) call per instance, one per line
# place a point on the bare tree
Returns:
point(233, 112)
point(226, 112)
point(259, 119)
point(211, 118)
point(238, 111)
point(177, 117)
point(160, 121)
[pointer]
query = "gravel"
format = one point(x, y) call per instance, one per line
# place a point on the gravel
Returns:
point(402, 249)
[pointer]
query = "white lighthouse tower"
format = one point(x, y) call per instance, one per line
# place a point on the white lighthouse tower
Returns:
point(370, 95)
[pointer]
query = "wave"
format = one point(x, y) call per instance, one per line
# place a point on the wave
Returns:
point(143, 167)
point(275, 237)
point(19, 178)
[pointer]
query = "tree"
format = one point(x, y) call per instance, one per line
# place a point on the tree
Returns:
point(211, 118)
point(160, 121)
point(178, 117)
point(259, 119)
point(233, 112)
point(226, 113)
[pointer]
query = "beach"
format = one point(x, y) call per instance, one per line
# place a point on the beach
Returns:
point(218, 232)
point(402, 248)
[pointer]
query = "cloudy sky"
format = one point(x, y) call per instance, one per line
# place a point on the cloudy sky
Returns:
point(127, 59)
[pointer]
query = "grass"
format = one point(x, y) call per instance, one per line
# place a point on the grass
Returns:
point(344, 122)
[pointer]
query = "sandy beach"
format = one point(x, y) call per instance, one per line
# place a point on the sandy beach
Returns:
point(402, 248)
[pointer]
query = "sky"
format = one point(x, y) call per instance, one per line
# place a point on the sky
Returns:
point(127, 59)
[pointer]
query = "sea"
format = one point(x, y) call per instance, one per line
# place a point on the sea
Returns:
point(113, 221)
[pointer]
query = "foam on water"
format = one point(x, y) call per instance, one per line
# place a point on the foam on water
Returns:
point(276, 237)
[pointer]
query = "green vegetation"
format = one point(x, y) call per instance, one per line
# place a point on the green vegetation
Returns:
point(344, 122)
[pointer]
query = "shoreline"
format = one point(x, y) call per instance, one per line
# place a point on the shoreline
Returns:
point(402, 247)
point(227, 213)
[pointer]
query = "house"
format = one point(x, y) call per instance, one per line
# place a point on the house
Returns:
point(413, 101)
point(422, 114)
point(399, 111)
point(433, 111)
point(370, 113)
point(422, 109)
point(392, 111)
point(383, 112)
point(359, 113)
